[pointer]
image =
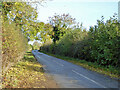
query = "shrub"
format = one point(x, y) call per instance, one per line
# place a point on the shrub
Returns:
point(101, 44)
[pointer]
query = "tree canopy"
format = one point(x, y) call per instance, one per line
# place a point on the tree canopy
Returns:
point(61, 24)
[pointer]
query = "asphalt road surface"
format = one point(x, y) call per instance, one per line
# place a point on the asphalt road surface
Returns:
point(68, 75)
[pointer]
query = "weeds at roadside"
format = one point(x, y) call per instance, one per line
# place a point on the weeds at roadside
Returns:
point(27, 73)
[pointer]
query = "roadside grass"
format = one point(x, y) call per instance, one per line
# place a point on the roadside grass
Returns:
point(27, 73)
point(111, 71)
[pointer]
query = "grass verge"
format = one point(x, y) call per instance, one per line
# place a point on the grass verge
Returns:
point(27, 73)
point(111, 71)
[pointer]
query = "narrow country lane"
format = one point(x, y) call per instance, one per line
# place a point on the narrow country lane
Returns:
point(68, 75)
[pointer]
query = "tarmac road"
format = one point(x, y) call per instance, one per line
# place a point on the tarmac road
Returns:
point(68, 75)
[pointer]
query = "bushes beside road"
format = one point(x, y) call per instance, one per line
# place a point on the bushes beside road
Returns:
point(100, 44)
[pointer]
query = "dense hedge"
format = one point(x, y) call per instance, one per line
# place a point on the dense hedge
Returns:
point(18, 27)
point(14, 44)
point(101, 44)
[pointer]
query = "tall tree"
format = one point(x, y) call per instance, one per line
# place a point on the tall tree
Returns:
point(22, 14)
point(61, 24)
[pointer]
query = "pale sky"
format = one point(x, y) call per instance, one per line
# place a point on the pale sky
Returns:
point(84, 11)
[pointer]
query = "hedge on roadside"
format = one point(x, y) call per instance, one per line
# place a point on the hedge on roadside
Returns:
point(14, 44)
point(101, 44)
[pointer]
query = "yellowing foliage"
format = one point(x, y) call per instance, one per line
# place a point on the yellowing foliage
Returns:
point(14, 44)
point(27, 73)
